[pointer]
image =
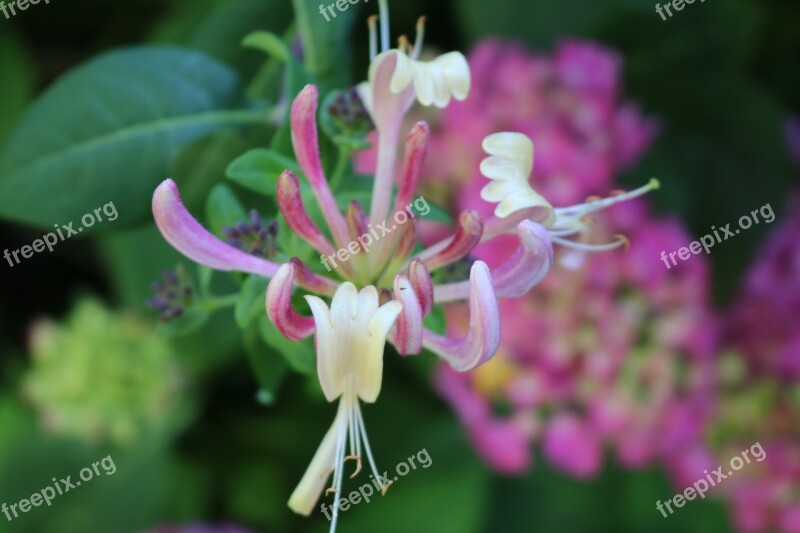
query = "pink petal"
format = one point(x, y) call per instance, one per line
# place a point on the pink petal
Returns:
point(306, 148)
point(279, 306)
point(357, 222)
point(467, 236)
point(191, 239)
point(529, 263)
point(422, 284)
point(483, 338)
point(407, 336)
point(416, 148)
point(291, 205)
point(310, 280)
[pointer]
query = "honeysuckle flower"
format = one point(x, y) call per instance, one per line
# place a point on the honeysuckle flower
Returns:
point(350, 337)
point(392, 271)
point(391, 264)
point(509, 166)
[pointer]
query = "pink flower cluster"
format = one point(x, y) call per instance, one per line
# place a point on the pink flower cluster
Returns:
point(764, 320)
point(764, 402)
point(616, 353)
point(622, 354)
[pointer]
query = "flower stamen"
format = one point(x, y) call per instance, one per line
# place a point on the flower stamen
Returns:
point(357, 459)
point(420, 38)
point(383, 9)
point(372, 23)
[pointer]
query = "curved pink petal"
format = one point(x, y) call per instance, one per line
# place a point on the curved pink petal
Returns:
point(422, 284)
point(483, 338)
point(306, 148)
point(416, 148)
point(467, 236)
point(407, 336)
point(530, 262)
point(279, 306)
point(290, 202)
point(526, 267)
point(310, 280)
point(186, 235)
point(357, 223)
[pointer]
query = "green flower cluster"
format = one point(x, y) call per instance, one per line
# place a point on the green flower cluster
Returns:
point(106, 377)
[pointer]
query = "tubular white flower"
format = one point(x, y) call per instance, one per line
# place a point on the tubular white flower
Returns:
point(435, 82)
point(509, 166)
point(350, 338)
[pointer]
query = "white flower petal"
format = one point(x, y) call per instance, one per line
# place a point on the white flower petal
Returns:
point(509, 165)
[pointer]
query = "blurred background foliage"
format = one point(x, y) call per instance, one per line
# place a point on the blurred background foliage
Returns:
point(721, 76)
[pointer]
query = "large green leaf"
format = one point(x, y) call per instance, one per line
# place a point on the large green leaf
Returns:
point(108, 131)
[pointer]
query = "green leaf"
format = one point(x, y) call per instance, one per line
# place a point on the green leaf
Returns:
point(326, 44)
point(250, 304)
point(223, 209)
point(220, 35)
point(296, 78)
point(258, 170)
point(109, 130)
point(299, 355)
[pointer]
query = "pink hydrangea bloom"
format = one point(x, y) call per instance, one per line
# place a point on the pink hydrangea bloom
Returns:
point(617, 353)
point(763, 322)
point(764, 401)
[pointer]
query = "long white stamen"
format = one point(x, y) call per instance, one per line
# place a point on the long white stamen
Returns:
point(590, 247)
point(357, 430)
point(384, 11)
point(566, 232)
point(339, 464)
point(593, 207)
point(367, 448)
point(419, 39)
point(351, 414)
point(373, 36)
